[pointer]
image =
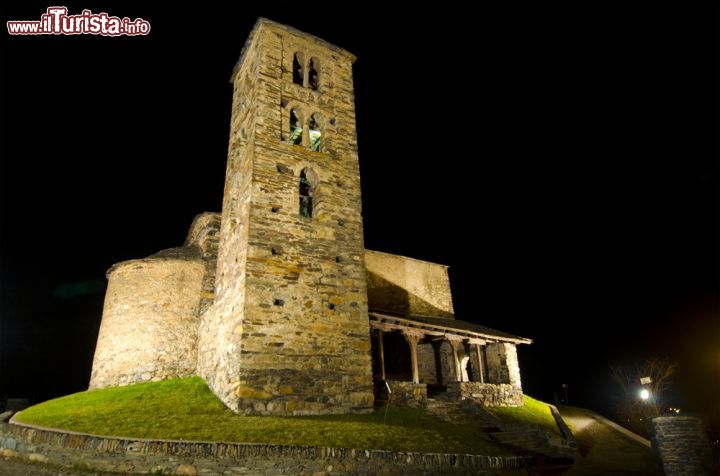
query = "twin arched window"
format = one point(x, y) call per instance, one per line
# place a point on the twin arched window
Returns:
point(296, 126)
point(300, 68)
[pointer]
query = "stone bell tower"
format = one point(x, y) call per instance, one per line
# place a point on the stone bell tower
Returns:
point(288, 332)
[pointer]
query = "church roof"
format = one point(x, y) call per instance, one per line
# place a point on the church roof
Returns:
point(449, 326)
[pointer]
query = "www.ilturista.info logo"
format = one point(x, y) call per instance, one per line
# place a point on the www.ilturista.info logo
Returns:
point(56, 21)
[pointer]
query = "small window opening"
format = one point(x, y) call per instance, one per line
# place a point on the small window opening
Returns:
point(278, 302)
point(275, 209)
point(275, 251)
point(331, 306)
point(315, 133)
point(295, 128)
point(338, 259)
point(341, 222)
point(297, 69)
point(314, 74)
point(306, 193)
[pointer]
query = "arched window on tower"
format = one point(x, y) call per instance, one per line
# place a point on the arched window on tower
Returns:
point(296, 128)
point(298, 69)
point(308, 182)
point(314, 74)
point(314, 126)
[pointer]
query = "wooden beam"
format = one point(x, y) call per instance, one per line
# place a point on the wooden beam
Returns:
point(445, 330)
point(477, 341)
point(382, 354)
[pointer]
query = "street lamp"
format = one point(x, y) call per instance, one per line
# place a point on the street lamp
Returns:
point(644, 392)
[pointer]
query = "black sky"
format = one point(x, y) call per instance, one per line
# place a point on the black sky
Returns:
point(562, 159)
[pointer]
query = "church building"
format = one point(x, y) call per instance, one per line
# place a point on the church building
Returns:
point(275, 301)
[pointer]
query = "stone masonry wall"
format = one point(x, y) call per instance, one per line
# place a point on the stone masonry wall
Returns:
point(128, 456)
point(447, 364)
point(682, 446)
point(487, 394)
point(289, 332)
point(402, 285)
point(407, 393)
point(503, 366)
point(205, 234)
point(218, 359)
point(149, 325)
point(427, 365)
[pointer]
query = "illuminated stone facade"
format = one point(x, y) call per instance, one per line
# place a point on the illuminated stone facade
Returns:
point(288, 331)
point(149, 326)
point(408, 286)
point(275, 301)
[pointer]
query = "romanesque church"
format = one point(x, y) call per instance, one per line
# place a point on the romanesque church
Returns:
point(275, 301)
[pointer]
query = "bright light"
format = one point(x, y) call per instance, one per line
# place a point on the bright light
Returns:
point(644, 394)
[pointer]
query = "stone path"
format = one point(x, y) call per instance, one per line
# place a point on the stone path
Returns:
point(18, 467)
point(603, 449)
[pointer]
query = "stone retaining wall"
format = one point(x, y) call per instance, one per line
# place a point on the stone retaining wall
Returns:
point(487, 394)
point(681, 445)
point(406, 393)
point(184, 457)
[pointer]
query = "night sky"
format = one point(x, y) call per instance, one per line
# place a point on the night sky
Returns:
point(562, 160)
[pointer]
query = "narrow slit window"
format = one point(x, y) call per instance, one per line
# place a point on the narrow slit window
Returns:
point(314, 74)
point(306, 193)
point(295, 128)
point(315, 132)
point(298, 69)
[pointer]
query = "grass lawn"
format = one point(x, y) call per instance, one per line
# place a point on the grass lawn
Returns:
point(186, 409)
point(533, 412)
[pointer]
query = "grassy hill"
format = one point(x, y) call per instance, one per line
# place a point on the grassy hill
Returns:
point(186, 409)
point(533, 412)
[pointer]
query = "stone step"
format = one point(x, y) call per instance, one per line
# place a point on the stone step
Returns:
point(522, 438)
point(529, 442)
point(519, 436)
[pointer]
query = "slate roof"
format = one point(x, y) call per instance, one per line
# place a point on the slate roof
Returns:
point(455, 324)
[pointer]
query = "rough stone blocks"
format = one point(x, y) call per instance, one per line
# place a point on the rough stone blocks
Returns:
point(288, 332)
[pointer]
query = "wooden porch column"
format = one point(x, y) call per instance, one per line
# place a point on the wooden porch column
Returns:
point(412, 340)
point(381, 349)
point(456, 360)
